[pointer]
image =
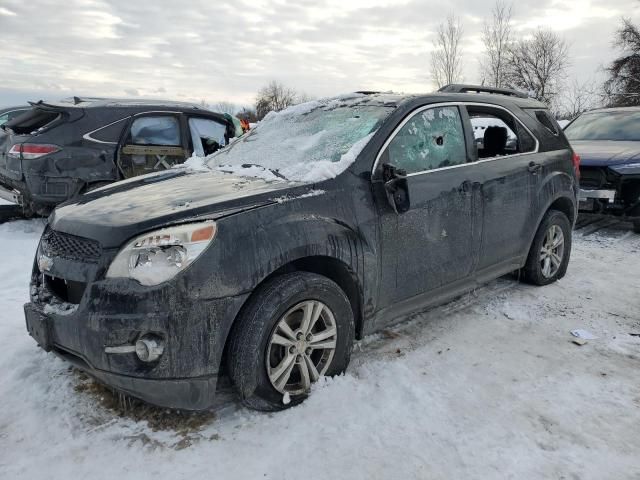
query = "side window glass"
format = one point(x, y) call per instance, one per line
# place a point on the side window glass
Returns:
point(548, 121)
point(109, 133)
point(163, 130)
point(497, 133)
point(431, 139)
point(4, 118)
point(208, 136)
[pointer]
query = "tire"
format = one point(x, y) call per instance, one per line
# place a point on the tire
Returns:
point(535, 270)
point(254, 353)
point(636, 226)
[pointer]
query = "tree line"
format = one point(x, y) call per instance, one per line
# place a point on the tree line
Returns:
point(536, 64)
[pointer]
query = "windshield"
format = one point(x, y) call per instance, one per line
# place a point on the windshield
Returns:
point(310, 142)
point(613, 125)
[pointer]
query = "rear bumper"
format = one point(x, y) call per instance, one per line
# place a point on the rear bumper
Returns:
point(10, 195)
point(37, 189)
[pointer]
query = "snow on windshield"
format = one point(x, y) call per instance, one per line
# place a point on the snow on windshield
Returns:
point(310, 142)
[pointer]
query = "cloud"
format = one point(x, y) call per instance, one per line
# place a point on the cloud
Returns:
point(226, 50)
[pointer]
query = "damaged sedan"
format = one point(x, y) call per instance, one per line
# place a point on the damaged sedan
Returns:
point(327, 222)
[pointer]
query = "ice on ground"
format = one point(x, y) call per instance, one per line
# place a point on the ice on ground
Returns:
point(486, 387)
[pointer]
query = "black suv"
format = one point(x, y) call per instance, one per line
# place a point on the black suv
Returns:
point(56, 151)
point(328, 222)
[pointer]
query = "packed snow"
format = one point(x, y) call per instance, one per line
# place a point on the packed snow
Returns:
point(488, 386)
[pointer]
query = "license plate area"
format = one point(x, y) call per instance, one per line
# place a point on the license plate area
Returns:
point(38, 328)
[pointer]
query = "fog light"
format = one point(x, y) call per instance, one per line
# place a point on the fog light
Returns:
point(149, 349)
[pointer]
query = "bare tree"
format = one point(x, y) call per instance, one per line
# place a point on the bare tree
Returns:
point(496, 37)
point(577, 98)
point(274, 97)
point(538, 65)
point(225, 107)
point(623, 86)
point(248, 114)
point(446, 57)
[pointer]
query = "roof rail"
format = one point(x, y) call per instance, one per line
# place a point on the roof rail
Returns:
point(459, 88)
point(368, 92)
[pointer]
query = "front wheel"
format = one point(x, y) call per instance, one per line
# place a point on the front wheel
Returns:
point(550, 251)
point(295, 329)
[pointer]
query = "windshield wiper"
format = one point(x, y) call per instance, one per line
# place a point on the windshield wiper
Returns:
point(275, 172)
point(248, 165)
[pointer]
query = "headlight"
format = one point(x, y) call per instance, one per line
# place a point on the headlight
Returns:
point(156, 257)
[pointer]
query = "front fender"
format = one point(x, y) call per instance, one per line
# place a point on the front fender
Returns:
point(243, 259)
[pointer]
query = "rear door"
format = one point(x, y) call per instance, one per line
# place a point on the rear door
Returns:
point(154, 141)
point(505, 151)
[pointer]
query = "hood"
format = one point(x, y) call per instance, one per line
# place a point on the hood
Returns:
point(115, 213)
point(606, 153)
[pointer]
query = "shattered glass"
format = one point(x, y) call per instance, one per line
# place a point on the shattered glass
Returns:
point(430, 139)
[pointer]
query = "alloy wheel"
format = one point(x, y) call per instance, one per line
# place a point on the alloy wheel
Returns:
point(301, 347)
point(552, 251)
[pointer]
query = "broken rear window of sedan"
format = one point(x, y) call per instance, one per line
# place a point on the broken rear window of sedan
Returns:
point(310, 142)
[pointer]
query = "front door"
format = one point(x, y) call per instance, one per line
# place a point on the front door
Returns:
point(154, 142)
point(436, 241)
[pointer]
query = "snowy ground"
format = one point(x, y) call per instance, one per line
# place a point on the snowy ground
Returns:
point(489, 386)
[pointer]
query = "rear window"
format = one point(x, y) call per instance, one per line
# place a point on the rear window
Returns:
point(32, 121)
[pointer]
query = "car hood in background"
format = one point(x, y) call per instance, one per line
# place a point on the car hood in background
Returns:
point(606, 153)
point(117, 212)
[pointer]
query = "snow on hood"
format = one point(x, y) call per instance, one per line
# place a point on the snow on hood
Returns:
point(309, 143)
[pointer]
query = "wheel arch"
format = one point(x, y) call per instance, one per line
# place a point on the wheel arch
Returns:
point(333, 268)
point(562, 202)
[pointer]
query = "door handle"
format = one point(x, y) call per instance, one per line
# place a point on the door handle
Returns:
point(534, 167)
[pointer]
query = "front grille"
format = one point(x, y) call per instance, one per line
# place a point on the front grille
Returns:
point(60, 244)
point(65, 290)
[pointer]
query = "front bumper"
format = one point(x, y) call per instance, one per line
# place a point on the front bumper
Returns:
point(115, 313)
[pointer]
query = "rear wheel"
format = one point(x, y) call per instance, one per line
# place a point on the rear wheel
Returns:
point(549, 254)
point(295, 329)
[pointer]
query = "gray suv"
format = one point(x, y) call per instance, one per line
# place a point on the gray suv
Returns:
point(55, 151)
point(327, 222)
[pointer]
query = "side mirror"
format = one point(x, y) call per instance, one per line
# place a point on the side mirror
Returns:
point(396, 187)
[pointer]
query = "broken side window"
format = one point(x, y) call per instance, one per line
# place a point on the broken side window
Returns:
point(431, 139)
point(497, 133)
point(208, 136)
point(163, 130)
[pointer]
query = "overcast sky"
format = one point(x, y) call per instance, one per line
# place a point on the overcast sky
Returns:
point(226, 50)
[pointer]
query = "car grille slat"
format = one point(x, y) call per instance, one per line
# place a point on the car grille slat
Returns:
point(60, 244)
